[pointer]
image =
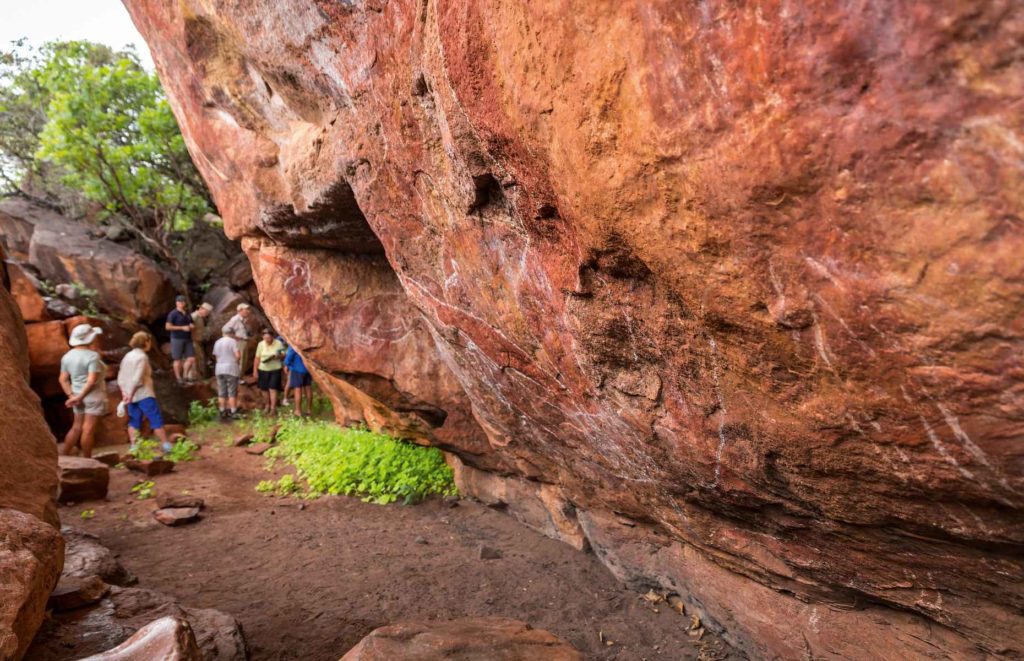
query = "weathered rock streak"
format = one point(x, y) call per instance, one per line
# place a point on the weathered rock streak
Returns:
point(749, 275)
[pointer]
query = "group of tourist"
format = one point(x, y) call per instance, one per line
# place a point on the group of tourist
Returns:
point(82, 373)
point(82, 377)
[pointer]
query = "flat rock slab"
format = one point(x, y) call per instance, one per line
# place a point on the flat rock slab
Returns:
point(82, 479)
point(151, 467)
point(179, 500)
point(257, 448)
point(168, 638)
point(74, 592)
point(176, 516)
point(244, 439)
point(466, 639)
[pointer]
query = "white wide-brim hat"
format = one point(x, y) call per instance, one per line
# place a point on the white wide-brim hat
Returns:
point(83, 334)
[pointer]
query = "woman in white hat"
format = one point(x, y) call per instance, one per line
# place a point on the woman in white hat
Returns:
point(81, 377)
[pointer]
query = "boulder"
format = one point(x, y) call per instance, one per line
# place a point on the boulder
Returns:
point(25, 289)
point(59, 309)
point(176, 516)
point(85, 556)
point(169, 638)
point(31, 549)
point(114, 277)
point(467, 639)
point(125, 611)
point(18, 218)
point(82, 479)
point(31, 554)
point(47, 344)
point(73, 592)
point(750, 279)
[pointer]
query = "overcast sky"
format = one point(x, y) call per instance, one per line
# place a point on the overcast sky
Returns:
point(103, 21)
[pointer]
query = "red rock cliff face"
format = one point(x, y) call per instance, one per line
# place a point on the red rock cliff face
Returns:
point(748, 274)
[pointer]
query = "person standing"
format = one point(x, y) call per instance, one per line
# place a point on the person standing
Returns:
point(239, 329)
point(135, 379)
point(180, 325)
point(81, 378)
point(267, 367)
point(300, 381)
point(200, 336)
point(228, 370)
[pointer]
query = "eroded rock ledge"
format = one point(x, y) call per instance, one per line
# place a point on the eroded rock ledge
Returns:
point(748, 276)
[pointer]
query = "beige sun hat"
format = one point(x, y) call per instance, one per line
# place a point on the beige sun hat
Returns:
point(242, 306)
point(84, 334)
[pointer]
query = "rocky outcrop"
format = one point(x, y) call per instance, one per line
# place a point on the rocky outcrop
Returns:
point(31, 549)
point(118, 279)
point(468, 639)
point(748, 278)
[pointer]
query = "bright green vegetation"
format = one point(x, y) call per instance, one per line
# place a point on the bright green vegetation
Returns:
point(286, 486)
point(200, 413)
point(87, 514)
point(182, 450)
point(356, 462)
point(145, 449)
point(144, 490)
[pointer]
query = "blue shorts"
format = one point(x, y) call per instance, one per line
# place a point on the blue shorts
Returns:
point(147, 407)
point(299, 380)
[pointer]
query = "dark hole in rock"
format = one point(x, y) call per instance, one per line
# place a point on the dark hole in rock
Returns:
point(419, 86)
point(547, 212)
point(487, 193)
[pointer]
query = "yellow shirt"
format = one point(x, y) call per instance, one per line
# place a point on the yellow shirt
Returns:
point(269, 356)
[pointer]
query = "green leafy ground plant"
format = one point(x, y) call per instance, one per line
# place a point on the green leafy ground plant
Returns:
point(144, 490)
point(145, 449)
point(357, 462)
point(202, 413)
point(182, 450)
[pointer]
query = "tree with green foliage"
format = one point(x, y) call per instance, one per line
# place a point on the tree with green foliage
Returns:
point(78, 119)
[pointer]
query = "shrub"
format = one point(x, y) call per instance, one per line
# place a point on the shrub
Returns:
point(200, 414)
point(144, 490)
point(145, 449)
point(182, 450)
point(358, 462)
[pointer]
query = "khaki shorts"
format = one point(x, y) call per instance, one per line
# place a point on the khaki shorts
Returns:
point(92, 406)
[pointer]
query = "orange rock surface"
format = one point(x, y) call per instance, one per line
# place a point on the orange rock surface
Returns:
point(31, 548)
point(748, 274)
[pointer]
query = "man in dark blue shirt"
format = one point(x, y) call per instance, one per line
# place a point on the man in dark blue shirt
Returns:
point(179, 323)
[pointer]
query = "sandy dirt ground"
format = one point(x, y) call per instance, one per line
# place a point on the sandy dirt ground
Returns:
point(309, 579)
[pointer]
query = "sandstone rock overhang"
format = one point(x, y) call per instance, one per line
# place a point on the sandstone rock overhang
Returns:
point(746, 276)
